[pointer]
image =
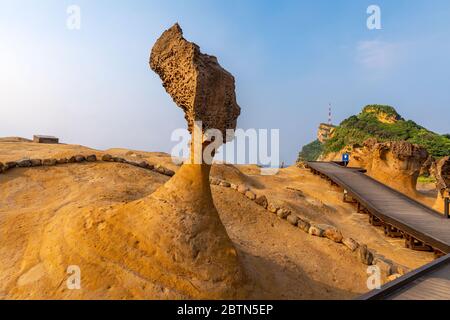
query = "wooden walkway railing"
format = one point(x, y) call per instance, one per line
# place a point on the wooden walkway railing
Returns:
point(422, 227)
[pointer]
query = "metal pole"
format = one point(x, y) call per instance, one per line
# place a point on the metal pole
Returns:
point(447, 207)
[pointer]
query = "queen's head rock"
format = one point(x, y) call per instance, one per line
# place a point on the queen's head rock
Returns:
point(196, 82)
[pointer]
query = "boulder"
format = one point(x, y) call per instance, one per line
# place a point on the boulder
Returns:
point(364, 255)
point(72, 159)
point(2, 167)
point(350, 243)
point(242, 188)
point(262, 201)
point(49, 162)
point(272, 208)
point(233, 186)
point(145, 165)
point(80, 158)
point(132, 163)
point(36, 162)
point(315, 230)
point(119, 160)
point(303, 225)
point(333, 234)
point(62, 161)
point(386, 267)
point(225, 184)
point(283, 213)
point(169, 173)
point(25, 163)
point(250, 194)
point(402, 270)
point(91, 158)
point(160, 169)
point(107, 158)
point(11, 165)
point(292, 219)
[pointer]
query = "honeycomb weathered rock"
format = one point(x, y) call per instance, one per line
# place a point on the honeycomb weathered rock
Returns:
point(196, 82)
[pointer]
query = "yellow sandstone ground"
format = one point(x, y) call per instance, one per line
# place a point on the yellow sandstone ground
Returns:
point(52, 217)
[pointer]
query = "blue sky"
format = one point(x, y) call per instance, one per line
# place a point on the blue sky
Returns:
point(289, 58)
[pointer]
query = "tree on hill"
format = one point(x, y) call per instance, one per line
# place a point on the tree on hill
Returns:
point(384, 124)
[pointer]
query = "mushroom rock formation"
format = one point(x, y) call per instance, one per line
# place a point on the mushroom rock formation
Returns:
point(442, 173)
point(186, 224)
point(396, 163)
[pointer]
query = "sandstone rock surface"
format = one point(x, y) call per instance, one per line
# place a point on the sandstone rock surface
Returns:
point(197, 83)
point(325, 132)
point(397, 164)
point(442, 173)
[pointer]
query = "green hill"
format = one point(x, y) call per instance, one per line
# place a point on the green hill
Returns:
point(383, 123)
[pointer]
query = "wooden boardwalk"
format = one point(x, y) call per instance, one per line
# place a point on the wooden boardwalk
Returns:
point(422, 227)
point(431, 282)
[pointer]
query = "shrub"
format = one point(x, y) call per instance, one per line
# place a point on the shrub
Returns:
point(357, 129)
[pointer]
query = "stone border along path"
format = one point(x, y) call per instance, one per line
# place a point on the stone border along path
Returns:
point(389, 270)
point(31, 163)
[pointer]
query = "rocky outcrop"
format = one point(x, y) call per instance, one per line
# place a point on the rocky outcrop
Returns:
point(397, 164)
point(442, 173)
point(428, 167)
point(185, 223)
point(384, 114)
point(196, 82)
point(325, 132)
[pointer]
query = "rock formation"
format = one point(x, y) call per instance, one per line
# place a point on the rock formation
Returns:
point(427, 167)
point(197, 83)
point(442, 173)
point(325, 132)
point(384, 114)
point(189, 236)
point(396, 164)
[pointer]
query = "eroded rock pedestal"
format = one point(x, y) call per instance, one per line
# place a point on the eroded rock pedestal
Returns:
point(206, 93)
point(442, 173)
point(397, 164)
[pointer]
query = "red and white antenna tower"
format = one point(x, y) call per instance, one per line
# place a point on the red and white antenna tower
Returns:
point(329, 114)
